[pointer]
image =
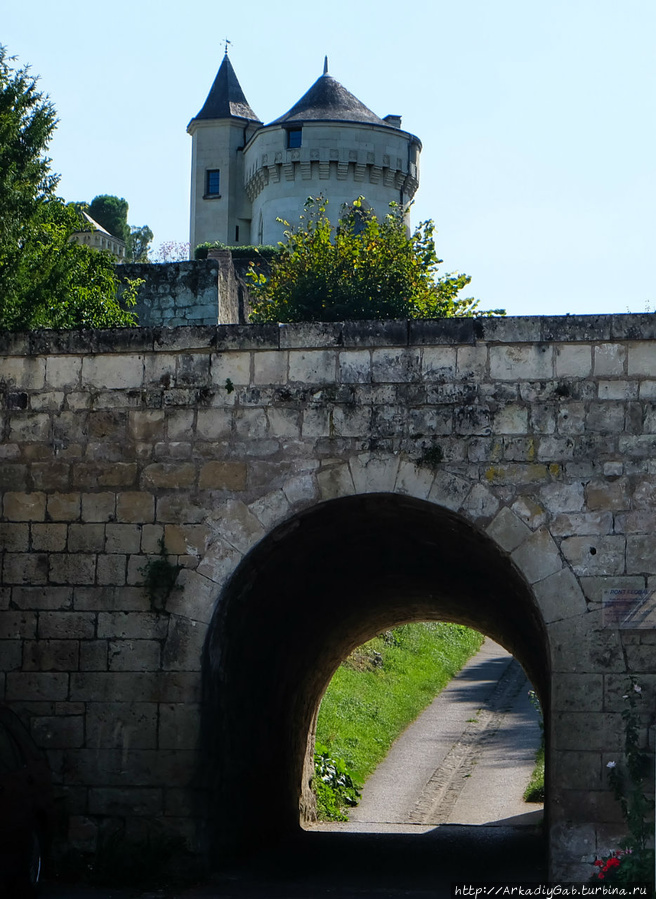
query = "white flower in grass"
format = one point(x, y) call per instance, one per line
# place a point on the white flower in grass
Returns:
point(611, 765)
point(637, 688)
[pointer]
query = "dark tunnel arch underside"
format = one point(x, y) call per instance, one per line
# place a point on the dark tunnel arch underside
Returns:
point(315, 588)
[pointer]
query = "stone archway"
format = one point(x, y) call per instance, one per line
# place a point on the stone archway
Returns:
point(318, 585)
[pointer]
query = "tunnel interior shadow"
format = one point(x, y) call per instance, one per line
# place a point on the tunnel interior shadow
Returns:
point(309, 593)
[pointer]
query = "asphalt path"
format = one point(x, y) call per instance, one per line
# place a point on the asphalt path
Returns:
point(446, 805)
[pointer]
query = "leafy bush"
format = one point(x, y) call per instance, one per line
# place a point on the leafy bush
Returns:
point(364, 269)
point(333, 786)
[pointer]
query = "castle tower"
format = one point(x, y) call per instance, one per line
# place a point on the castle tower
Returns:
point(246, 175)
point(328, 143)
point(220, 209)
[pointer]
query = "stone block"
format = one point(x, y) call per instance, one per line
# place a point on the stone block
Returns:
point(147, 425)
point(355, 367)
point(38, 598)
point(334, 481)
point(64, 507)
point(15, 538)
point(63, 371)
point(99, 474)
point(507, 530)
point(577, 693)
point(214, 424)
point(573, 770)
point(23, 372)
point(449, 490)
point(438, 363)
point(183, 647)
point(93, 655)
point(271, 509)
point(198, 595)
point(179, 726)
point(374, 473)
point(511, 419)
point(133, 506)
point(251, 423)
point(270, 367)
point(122, 538)
point(575, 524)
point(230, 368)
point(516, 362)
point(586, 731)
point(595, 555)
point(86, 537)
point(414, 480)
point(114, 725)
point(471, 362)
point(126, 801)
point(581, 645)
point(24, 506)
point(133, 655)
point(77, 568)
point(36, 686)
point(284, 422)
point(313, 366)
point(51, 655)
point(351, 421)
point(537, 557)
point(17, 625)
point(109, 372)
point(11, 655)
point(605, 418)
point(25, 568)
point(425, 421)
point(238, 526)
point(480, 503)
point(58, 732)
point(177, 476)
point(573, 360)
point(67, 625)
point(132, 625)
point(641, 358)
point(561, 496)
point(396, 365)
point(608, 495)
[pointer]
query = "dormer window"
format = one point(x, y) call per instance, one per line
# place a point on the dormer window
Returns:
point(294, 138)
point(212, 183)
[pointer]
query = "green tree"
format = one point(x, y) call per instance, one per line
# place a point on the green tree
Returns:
point(139, 244)
point(365, 268)
point(45, 280)
point(112, 213)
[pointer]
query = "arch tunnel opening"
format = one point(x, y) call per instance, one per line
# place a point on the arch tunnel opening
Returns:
point(300, 602)
point(436, 724)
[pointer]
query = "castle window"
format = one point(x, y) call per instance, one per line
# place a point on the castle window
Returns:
point(294, 137)
point(212, 183)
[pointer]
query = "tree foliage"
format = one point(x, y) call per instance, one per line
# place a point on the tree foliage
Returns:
point(139, 244)
point(364, 268)
point(112, 213)
point(45, 281)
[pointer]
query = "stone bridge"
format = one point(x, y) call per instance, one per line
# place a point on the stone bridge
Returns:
point(316, 484)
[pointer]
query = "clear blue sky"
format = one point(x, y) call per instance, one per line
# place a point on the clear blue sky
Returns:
point(537, 120)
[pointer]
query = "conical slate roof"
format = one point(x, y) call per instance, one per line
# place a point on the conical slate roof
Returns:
point(226, 99)
point(329, 101)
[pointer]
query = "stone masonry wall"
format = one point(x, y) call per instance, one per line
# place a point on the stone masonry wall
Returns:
point(206, 438)
point(175, 293)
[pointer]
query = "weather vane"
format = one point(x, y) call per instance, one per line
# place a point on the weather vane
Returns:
point(226, 41)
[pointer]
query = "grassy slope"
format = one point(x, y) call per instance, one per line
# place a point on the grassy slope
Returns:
point(384, 685)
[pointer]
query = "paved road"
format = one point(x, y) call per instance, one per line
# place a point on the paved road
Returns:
point(465, 762)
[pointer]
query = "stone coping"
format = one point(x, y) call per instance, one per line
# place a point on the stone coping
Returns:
point(448, 331)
